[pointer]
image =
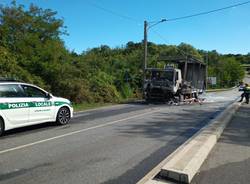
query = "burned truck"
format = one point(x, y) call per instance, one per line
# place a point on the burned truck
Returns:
point(182, 77)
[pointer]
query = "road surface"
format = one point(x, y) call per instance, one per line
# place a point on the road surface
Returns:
point(229, 161)
point(118, 144)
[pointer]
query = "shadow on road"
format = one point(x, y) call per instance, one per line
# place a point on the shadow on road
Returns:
point(29, 129)
point(184, 123)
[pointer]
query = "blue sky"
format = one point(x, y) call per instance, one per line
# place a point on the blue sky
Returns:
point(88, 26)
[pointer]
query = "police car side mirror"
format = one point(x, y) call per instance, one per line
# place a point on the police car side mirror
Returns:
point(48, 96)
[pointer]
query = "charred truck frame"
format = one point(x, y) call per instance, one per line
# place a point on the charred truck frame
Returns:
point(182, 77)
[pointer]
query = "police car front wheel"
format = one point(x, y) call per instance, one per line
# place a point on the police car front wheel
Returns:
point(63, 116)
point(1, 127)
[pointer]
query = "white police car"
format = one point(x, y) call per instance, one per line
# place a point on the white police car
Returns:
point(23, 104)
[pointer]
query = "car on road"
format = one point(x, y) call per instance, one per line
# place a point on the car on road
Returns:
point(23, 104)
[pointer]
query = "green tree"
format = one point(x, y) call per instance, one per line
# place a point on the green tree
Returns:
point(31, 49)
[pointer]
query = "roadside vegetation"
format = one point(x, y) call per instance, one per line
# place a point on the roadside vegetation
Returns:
point(86, 106)
point(31, 50)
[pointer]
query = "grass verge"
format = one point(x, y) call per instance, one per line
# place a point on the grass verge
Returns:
point(87, 106)
point(219, 89)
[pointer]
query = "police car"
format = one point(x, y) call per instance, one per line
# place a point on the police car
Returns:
point(23, 104)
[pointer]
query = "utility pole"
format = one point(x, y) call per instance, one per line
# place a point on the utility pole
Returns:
point(145, 54)
point(147, 26)
point(207, 70)
point(145, 47)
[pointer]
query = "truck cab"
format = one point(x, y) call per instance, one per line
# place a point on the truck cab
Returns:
point(162, 83)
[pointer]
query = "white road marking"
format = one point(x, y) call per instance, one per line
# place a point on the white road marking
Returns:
point(76, 132)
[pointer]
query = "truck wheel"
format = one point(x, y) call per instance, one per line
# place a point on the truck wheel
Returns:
point(1, 127)
point(63, 116)
point(196, 95)
point(148, 100)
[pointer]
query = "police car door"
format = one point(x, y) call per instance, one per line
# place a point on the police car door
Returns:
point(41, 107)
point(13, 104)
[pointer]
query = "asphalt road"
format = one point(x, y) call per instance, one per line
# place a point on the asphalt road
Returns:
point(118, 144)
point(229, 161)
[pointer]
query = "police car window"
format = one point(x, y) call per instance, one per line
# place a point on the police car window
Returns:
point(11, 90)
point(33, 92)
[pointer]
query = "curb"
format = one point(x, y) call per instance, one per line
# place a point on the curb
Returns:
point(220, 90)
point(182, 165)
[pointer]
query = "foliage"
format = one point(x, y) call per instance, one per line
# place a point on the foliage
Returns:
point(31, 50)
point(226, 68)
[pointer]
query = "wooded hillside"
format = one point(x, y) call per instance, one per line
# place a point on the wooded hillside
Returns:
point(31, 49)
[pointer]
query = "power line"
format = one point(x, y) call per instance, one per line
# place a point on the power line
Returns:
point(208, 12)
point(165, 40)
point(171, 19)
point(113, 12)
point(195, 15)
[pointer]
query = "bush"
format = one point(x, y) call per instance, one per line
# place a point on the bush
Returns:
point(77, 90)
